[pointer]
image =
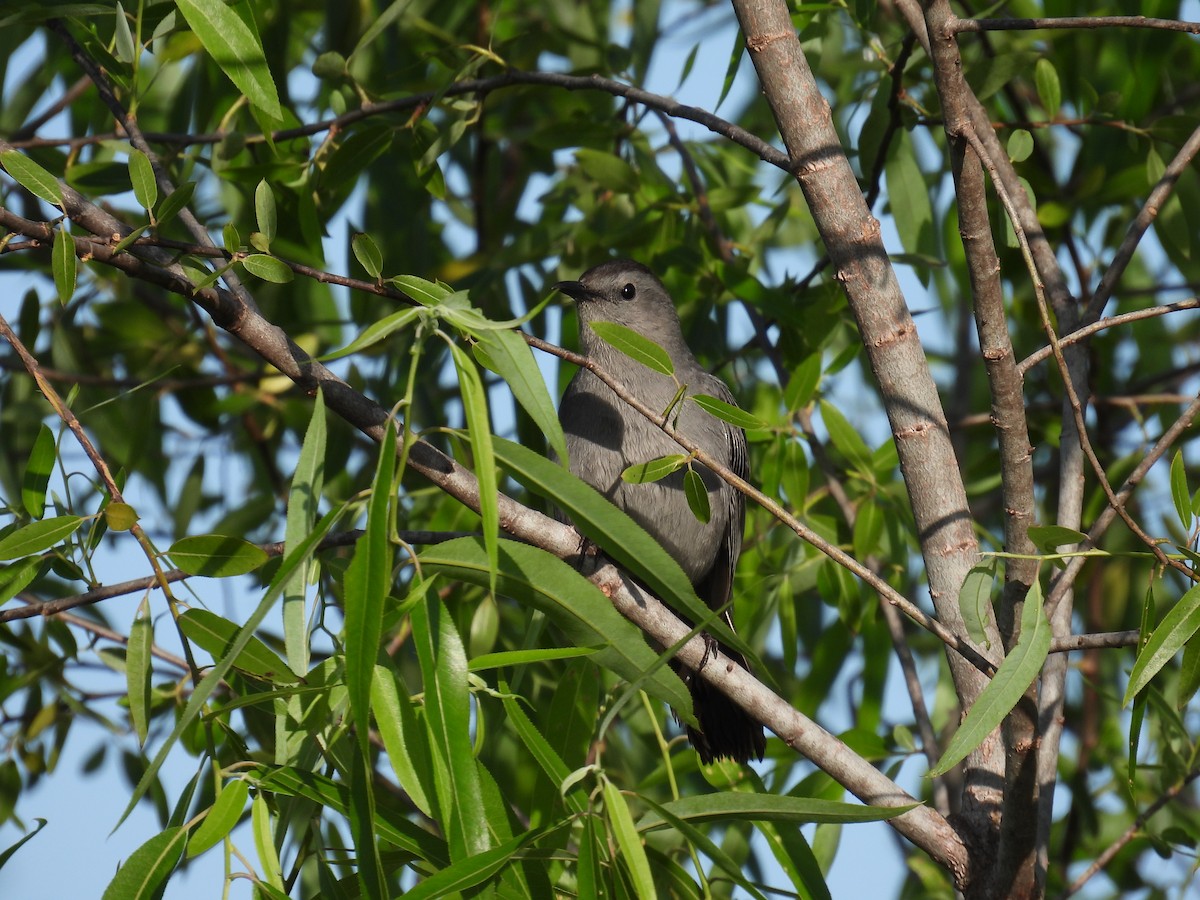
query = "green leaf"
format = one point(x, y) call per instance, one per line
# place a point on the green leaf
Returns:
point(739, 806)
point(148, 867)
point(308, 483)
point(217, 635)
point(908, 196)
point(368, 582)
point(405, 741)
point(215, 675)
point(535, 578)
point(37, 473)
point(37, 537)
point(443, 663)
point(174, 202)
point(216, 555)
point(654, 469)
point(697, 495)
point(264, 211)
point(1171, 635)
point(479, 432)
point(636, 347)
point(868, 527)
point(427, 293)
point(621, 538)
point(137, 670)
point(120, 516)
point(235, 48)
point(268, 268)
point(549, 760)
point(368, 254)
point(1045, 76)
point(31, 176)
point(471, 871)
point(8, 852)
point(1048, 538)
point(126, 48)
point(845, 438)
point(1179, 491)
point(222, 816)
point(1020, 145)
point(18, 576)
point(804, 381)
point(1007, 686)
point(727, 412)
point(141, 176)
point(512, 359)
point(632, 854)
point(264, 841)
point(975, 601)
point(377, 332)
point(608, 170)
point(508, 659)
point(64, 264)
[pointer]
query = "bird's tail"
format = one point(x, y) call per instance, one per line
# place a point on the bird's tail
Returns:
point(726, 730)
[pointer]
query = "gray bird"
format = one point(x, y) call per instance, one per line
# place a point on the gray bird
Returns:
point(605, 436)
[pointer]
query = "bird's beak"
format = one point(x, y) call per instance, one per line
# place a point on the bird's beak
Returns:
point(574, 289)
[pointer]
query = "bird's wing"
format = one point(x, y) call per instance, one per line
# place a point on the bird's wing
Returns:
point(717, 587)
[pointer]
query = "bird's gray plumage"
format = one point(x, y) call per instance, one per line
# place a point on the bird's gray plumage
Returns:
point(605, 436)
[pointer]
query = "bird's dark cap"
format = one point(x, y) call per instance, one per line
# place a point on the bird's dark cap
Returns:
point(576, 290)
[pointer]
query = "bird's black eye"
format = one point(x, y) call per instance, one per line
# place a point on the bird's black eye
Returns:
point(628, 292)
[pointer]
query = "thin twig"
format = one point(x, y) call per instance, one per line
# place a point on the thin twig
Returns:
point(1131, 832)
point(974, 26)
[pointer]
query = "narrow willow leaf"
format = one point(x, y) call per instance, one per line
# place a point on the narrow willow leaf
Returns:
point(406, 745)
point(443, 663)
point(479, 431)
point(1179, 491)
point(427, 293)
point(1171, 635)
point(126, 48)
point(264, 211)
point(216, 635)
point(635, 346)
point(908, 196)
point(308, 483)
point(727, 412)
point(975, 601)
point(7, 853)
point(845, 438)
point(368, 581)
point(1045, 77)
point(264, 841)
point(235, 48)
point(141, 175)
point(137, 670)
point(696, 493)
point(469, 872)
point(549, 760)
point(1007, 686)
point(368, 254)
point(512, 359)
point(37, 473)
point(64, 264)
point(376, 333)
point(268, 268)
point(37, 537)
point(654, 469)
point(222, 816)
point(738, 806)
point(18, 576)
point(1138, 714)
point(1048, 538)
point(507, 659)
point(148, 867)
point(174, 202)
point(633, 854)
point(216, 555)
point(31, 176)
